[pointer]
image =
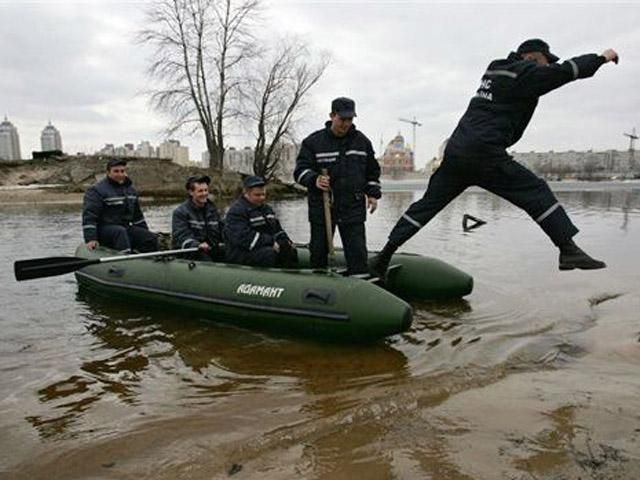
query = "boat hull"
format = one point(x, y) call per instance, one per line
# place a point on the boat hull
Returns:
point(300, 301)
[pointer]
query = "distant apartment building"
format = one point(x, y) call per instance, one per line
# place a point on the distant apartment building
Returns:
point(50, 139)
point(592, 164)
point(205, 159)
point(173, 150)
point(435, 162)
point(108, 150)
point(287, 163)
point(143, 150)
point(9, 141)
point(126, 150)
point(571, 164)
point(146, 150)
point(397, 159)
point(241, 161)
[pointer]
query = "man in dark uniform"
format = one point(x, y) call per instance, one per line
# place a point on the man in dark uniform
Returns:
point(476, 152)
point(111, 213)
point(253, 235)
point(353, 178)
point(196, 222)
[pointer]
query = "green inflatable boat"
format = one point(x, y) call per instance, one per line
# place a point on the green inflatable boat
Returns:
point(304, 302)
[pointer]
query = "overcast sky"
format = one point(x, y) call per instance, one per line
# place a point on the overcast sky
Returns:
point(77, 64)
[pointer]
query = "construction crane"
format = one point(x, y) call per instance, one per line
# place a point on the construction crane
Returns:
point(415, 124)
point(632, 138)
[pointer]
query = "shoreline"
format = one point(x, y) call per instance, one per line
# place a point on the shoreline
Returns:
point(50, 196)
point(55, 194)
point(43, 195)
point(38, 196)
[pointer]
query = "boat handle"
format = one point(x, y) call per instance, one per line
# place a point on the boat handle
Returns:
point(314, 295)
point(116, 271)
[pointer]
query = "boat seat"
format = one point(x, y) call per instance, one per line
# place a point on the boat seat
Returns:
point(367, 277)
point(377, 280)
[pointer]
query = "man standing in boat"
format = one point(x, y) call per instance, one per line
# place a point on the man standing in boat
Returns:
point(476, 153)
point(111, 214)
point(253, 235)
point(339, 159)
point(196, 222)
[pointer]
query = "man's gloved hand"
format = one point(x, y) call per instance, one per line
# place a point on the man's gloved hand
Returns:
point(284, 244)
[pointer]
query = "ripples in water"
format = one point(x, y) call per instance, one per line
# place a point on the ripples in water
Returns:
point(78, 367)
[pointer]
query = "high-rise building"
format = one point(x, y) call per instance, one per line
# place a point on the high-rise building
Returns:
point(240, 161)
point(50, 138)
point(145, 150)
point(177, 153)
point(9, 141)
point(108, 149)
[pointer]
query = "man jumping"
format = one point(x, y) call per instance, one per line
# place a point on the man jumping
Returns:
point(476, 153)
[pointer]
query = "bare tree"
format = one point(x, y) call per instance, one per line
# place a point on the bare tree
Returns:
point(200, 46)
point(274, 95)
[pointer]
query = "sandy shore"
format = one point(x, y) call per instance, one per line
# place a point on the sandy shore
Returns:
point(45, 196)
point(39, 197)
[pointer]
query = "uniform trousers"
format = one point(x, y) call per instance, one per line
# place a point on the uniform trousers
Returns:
point(129, 238)
point(353, 241)
point(503, 177)
point(266, 257)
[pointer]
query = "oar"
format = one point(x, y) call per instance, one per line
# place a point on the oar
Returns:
point(51, 266)
point(326, 200)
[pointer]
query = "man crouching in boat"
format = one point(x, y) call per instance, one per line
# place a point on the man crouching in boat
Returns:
point(253, 235)
point(111, 214)
point(196, 222)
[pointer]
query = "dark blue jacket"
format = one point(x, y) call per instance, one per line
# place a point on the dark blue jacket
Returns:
point(352, 166)
point(248, 227)
point(192, 225)
point(110, 203)
point(508, 95)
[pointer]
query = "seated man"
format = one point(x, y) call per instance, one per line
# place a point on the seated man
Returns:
point(111, 214)
point(253, 234)
point(196, 221)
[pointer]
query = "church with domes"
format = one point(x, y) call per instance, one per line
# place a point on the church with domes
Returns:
point(397, 160)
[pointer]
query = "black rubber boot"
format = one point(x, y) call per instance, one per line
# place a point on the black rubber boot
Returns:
point(381, 261)
point(572, 256)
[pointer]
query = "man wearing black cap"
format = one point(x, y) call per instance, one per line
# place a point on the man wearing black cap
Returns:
point(196, 222)
point(353, 179)
point(253, 235)
point(111, 214)
point(476, 152)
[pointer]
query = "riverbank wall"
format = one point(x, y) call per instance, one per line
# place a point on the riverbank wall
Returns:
point(65, 179)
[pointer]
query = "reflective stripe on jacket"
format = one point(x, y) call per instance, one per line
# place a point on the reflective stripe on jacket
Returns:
point(191, 225)
point(248, 227)
point(352, 166)
point(508, 95)
point(110, 203)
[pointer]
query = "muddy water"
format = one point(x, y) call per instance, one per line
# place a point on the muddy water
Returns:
point(532, 376)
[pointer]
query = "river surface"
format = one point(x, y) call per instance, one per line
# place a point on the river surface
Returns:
point(535, 375)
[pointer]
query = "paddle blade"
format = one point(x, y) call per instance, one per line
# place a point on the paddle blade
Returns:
point(49, 266)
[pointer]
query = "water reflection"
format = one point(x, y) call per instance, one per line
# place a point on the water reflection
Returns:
point(137, 355)
point(86, 368)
